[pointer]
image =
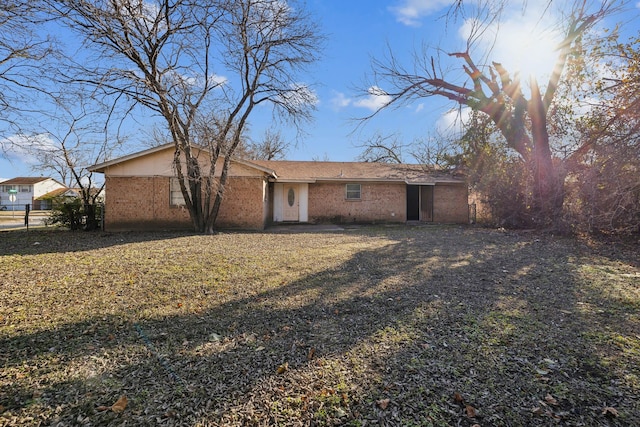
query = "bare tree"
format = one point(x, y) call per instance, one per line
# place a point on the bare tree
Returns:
point(438, 152)
point(80, 137)
point(382, 149)
point(194, 62)
point(272, 146)
point(22, 52)
point(522, 120)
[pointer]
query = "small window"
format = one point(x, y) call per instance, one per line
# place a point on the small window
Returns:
point(25, 188)
point(291, 197)
point(175, 197)
point(353, 191)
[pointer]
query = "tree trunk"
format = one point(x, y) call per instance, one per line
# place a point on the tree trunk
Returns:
point(90, 213)
point(547, 187)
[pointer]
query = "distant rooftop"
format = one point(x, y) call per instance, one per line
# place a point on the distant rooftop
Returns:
point(26, 180)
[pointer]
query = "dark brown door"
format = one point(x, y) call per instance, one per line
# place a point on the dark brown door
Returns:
point(426, 203)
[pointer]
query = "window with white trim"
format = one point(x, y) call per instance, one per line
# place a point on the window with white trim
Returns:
point(353, 191)
point(175, 193)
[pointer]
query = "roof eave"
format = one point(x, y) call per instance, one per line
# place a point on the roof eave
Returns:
point(100, 167)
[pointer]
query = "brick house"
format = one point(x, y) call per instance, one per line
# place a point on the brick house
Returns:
point(143, 193)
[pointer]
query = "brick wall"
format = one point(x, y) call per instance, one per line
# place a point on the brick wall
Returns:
point(244, 204)
point(137, 203)
point(383, 203)
point(378, 203)
point(450, 203)
point(142, 203)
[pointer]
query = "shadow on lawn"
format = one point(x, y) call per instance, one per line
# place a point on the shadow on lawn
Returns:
point(42, 241)
point(500, 320)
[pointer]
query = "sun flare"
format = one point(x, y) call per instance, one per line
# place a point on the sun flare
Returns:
point(522, 48)
point(523, 44)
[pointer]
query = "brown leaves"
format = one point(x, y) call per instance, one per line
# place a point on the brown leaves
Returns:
point(551, 400)
point(312, 352)
point(548, 408)
point(469, 410)
point(282, 368)
point(610, 412)
point(383, 403)
point(118, 407)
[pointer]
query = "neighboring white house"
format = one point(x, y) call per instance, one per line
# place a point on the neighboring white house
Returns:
point(16, 193)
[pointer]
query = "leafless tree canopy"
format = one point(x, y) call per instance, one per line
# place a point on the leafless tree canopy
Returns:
point(193, 62)
point(272, 146)
point(382, 149)
point(22, 52)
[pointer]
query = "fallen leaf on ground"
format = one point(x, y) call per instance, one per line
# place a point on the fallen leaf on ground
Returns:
point(120, 405)
point(383, 403)
point(551, 400)
point(608, 411)
point(458, 397)
point(471, 411)
point(283, 368)
point(312, 351)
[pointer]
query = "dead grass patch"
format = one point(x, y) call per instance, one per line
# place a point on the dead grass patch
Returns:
point(390, 326)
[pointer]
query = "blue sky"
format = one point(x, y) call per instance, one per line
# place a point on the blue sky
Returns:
point(358, 30)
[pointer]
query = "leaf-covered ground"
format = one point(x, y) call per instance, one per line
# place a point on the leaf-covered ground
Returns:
point(372, 326)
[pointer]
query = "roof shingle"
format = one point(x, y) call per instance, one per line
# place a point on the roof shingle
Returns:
point(25, 180)
point(356, 171)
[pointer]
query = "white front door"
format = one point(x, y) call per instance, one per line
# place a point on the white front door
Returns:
point(290, 208)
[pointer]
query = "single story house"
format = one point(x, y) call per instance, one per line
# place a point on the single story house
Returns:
point(144, 193)
point(15, 193)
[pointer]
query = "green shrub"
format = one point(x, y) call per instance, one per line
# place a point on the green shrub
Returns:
point(74, 214)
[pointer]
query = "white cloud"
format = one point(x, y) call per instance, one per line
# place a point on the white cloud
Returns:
point(377, 99)
point(452, 121)
point(340, 101)
point(217, 80)
point(174, 77)
point(22, 147)
point(409, 12)
point(420, 107)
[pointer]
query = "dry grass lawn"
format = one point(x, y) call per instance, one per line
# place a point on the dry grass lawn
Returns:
point(371, 326)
